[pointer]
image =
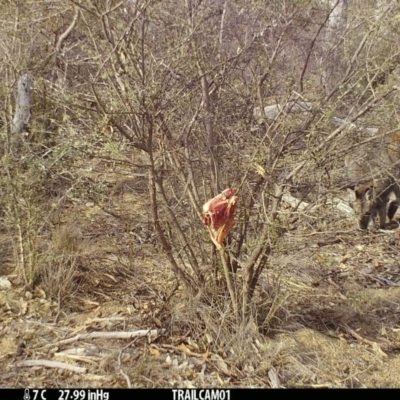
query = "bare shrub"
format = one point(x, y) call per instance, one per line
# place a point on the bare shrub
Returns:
point(268, 99)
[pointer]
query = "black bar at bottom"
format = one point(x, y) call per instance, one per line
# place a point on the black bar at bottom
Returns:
point(115, 394)
point(170, 394)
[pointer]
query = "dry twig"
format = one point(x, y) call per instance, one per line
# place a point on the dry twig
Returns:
point(121, 370)
point(51, 364)
point(109, 335)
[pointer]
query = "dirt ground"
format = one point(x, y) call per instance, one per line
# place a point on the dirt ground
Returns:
point(336, 319)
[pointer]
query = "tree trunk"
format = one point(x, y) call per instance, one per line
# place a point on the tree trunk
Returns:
point(333, 58)
point(22, 114)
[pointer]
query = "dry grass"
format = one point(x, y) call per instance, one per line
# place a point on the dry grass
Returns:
point(326, 312)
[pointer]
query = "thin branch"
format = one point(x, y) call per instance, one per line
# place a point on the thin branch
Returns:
point(51, 364)
point(60, 42)
point(313, 43)
point(121, 370)
point(229, 281)
point(108, 335)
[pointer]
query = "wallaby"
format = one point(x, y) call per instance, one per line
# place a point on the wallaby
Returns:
point(374, 169)
point(374, 200)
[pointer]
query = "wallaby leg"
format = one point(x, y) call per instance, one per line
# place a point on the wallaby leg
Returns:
point(382, 215)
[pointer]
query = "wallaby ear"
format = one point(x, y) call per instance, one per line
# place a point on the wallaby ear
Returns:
point(364, 192)
point(368, 194)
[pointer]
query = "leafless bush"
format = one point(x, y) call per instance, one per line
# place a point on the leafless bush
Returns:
point(204, 96)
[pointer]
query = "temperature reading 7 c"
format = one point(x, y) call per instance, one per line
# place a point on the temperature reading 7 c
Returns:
point(39, 394)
